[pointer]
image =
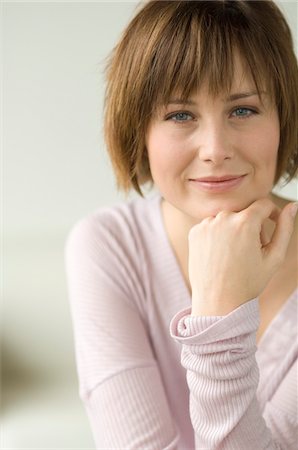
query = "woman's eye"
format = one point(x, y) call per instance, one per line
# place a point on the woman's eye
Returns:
point(180, 117)
point(243, 113)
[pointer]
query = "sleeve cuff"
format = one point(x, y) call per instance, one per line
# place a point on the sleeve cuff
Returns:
point(188, 329)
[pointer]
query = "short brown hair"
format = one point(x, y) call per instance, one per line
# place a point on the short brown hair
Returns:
point(172, 46)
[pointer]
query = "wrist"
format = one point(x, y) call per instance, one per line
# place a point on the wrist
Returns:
point(219, 307)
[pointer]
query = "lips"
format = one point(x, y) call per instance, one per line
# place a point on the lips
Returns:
point(212, 179)
point(220, 184)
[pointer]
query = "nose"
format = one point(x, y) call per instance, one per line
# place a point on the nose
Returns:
point(214, 144)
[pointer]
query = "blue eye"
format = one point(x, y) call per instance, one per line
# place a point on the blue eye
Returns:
point(180, 117)
point(243, 113)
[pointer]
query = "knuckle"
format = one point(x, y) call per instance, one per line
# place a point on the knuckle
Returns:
point(207, 220)
point(199, 227)
point(193, 232)
point(244, 217)
point(223, 214)
point(247, 218)
point(190, 234)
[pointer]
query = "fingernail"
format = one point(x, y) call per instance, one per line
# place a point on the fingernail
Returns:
point(294, 209)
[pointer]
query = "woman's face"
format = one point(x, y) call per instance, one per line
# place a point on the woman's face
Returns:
point(234, 136)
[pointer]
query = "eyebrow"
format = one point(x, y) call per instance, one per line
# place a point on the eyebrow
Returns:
point(239, 95)
point(230, 98)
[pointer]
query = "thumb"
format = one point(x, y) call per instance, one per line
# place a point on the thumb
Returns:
point(277, 248)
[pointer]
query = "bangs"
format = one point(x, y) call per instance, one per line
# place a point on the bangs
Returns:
point(196, 49)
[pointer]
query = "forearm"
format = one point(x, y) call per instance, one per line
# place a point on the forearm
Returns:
point(222, 374)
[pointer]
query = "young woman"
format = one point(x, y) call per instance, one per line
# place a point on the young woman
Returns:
point(184, 304)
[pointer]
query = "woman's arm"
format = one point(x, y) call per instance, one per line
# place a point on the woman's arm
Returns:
point(119, 379)
point(222, 374)
point(218, 334)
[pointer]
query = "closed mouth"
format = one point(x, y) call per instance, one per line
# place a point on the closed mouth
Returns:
point(212, 179)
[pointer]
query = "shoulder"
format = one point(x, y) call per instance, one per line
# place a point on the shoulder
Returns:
point(123, 226)
point(108, 251)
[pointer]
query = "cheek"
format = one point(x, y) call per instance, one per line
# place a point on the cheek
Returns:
point(268, 145)
point(157, 148)
point(166, 154)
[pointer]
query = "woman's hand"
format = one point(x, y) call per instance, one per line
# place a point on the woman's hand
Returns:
point(230, 261)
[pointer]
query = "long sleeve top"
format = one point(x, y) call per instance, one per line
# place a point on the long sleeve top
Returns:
point(151, 376)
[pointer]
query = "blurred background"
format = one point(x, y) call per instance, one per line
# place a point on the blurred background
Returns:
point(55, 171)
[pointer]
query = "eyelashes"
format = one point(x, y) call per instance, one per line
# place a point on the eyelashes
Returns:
point(184, 117)
point(244, 113)
point(179, 117)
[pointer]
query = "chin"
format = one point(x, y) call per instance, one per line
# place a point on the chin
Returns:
point(229, 206)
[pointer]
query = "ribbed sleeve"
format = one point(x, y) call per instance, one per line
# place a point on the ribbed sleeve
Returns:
point(130, 411)
point(119, 378)
point(222, 374)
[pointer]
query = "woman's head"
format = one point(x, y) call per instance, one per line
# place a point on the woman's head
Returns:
point(175, 48)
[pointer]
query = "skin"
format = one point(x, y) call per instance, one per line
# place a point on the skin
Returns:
point(214, 137)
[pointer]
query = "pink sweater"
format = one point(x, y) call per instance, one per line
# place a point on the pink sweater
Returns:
point(150, 375)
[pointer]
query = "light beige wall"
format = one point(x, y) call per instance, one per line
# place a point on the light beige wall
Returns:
point(55, 167)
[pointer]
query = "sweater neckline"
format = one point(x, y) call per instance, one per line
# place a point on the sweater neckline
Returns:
point(170, 256)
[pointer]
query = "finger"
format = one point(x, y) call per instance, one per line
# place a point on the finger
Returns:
point(264, 236)
point(260, 210)
point(278, 246)
point(264, 208)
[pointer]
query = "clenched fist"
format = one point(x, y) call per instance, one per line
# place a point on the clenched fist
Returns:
point(229, 260)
